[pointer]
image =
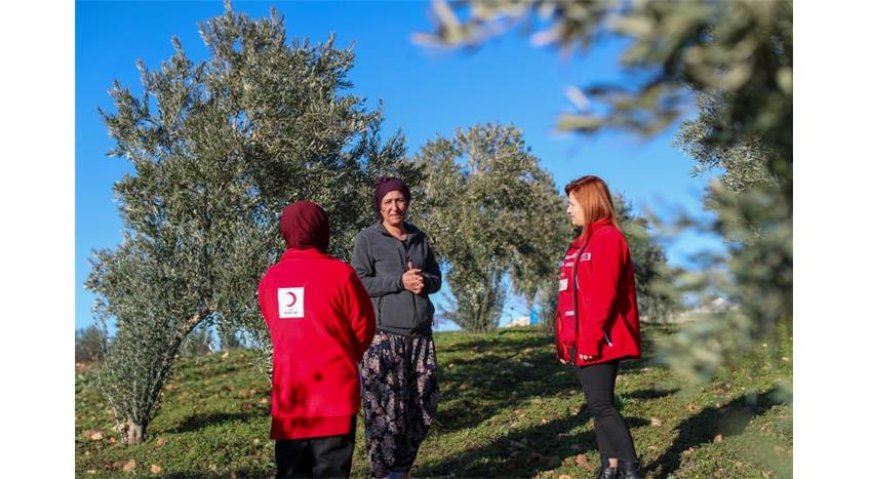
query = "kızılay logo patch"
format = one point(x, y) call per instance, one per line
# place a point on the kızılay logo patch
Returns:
point(291, 303)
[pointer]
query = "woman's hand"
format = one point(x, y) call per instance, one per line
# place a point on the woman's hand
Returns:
point(413, 280)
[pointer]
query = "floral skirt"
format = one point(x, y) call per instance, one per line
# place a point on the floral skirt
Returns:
point(400, 397)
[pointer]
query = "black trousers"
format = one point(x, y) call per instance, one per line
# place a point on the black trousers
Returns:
point(316, 457)
point(611, 430)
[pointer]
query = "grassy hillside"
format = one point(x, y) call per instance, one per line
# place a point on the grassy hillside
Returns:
point(507, 409)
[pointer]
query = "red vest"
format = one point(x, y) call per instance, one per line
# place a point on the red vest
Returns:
point(597, 306)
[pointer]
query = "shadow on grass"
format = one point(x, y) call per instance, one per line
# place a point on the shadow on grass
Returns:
point(730, 419)
point(197, 422)
point(650, 393)
point(475, 389)
point(524, 453)
point(239, 474)
point(488, 374)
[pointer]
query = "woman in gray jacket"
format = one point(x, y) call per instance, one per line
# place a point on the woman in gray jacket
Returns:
point(400, 388)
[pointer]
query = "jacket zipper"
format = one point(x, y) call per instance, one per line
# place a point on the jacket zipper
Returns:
point(574, 294)
point(403, 255)
point(380, 309)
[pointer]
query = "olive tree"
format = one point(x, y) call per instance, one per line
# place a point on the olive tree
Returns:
point(492, 212)
point(217, 148)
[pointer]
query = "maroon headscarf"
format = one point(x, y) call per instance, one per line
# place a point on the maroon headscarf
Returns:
point(386, 184)
point(304, 224)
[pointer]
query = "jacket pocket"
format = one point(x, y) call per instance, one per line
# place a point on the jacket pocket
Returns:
point(567, 329)
point(397, 310)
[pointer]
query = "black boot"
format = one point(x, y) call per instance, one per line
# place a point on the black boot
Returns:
point(607, 472)
point(629, 470)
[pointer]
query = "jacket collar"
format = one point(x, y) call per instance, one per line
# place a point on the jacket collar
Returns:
point(589, 230)
point(410, 229)
point(297, 253)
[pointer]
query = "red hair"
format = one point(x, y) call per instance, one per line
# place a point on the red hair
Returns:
point(594, 198)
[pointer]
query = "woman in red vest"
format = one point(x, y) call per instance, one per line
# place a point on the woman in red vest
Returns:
point(597, 321)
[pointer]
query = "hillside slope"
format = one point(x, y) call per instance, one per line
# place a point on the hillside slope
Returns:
point(507, 409)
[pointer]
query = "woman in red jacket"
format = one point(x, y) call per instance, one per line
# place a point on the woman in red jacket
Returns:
point(597, 320)
point(321, 322)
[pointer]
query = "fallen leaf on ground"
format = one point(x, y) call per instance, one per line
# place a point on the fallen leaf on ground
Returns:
point(129, 466)
point(583, 461)
point(654, 421)
point(155, 469)
point(718, 438)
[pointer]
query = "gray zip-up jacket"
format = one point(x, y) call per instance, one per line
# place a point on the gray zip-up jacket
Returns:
point(380, 260)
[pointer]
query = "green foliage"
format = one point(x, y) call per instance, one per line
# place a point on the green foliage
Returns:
point(91, 344)
point(218, 148)
point(490, 211)
point(507, 409)
point(735, 59)
point(744, 165)
point(756, 275)
point(651, 269)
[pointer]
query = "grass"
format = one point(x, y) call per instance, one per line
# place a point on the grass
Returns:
point(507, 409)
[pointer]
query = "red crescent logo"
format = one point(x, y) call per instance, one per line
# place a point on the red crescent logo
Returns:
point(293, 300)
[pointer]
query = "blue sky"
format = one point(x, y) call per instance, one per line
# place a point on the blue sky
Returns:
point(424, 93)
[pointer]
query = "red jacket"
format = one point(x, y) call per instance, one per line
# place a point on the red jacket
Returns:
point(597, 307)
point(321, 322)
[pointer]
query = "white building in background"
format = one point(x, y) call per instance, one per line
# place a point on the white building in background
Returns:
point(520, 321)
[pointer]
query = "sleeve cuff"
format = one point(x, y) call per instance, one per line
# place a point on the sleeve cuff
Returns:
point(399, 285)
